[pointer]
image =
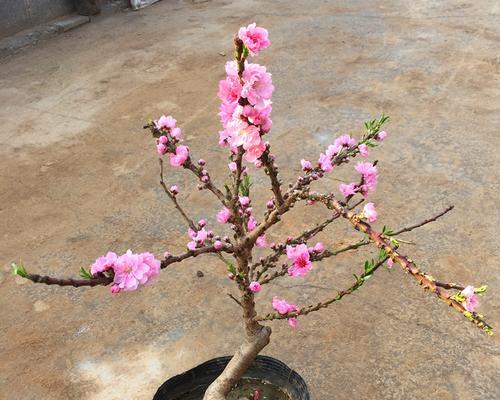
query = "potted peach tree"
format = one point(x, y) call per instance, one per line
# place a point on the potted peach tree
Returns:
point(245, 112)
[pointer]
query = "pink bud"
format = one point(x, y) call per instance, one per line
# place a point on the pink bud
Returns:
point(218, 245)
point(363, 150)
point(255, 287)
point(174, 189)
point(270, 204)
point(390, 263)
point(258, 164)
point(319, 247)
point(232, 166)
point(306, 165)
point(167, 254)
point(381, 136)
point(244, 201)
point(191, 245)
point(202, 223)
point(205, 179)
point(161, 149)
point(201, 161)
point(115, 289)
point(163, 139)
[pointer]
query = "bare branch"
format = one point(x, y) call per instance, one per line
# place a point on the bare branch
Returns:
point(174, 199)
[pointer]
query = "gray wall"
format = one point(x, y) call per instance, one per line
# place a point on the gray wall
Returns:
point(16, 15)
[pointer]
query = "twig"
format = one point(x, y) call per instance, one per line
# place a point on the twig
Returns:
point(174, 199)
point(410, 228)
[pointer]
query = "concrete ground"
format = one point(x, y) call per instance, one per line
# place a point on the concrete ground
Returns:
point(79, 176)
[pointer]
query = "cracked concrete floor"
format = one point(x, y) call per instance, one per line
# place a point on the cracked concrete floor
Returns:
point(79, 177)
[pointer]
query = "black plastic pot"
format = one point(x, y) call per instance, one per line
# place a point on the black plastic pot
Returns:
point(264, 368)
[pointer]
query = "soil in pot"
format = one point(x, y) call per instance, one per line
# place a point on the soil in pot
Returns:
point(244, 390)
point(273, 379)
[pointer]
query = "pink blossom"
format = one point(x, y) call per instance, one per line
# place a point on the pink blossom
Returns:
point(163, 139)
point(134, 269)
point(226, 111)
point(180, 157)
point(255, 287)
point(254, 38)
point(154, 264)
point(191, 245)
point(257, 84)
point(306, 165)
point(103, 263)
point(370, 177)
point(293, 322)
point(300, 257)
point(261, 241)
point(166, 122)
point(390, 263)
point(251, 224)
point(348, 189)
point(325, 163)
point(471, 300)
point(161, 149)
point(319, 247)
point(201, 236)
point(370, 212)
point(218, 245)
point(244, 201)
point(363, 150)
point(381, 136)
point(115, 289)
point(333, 149)
point(224, 215)
point(176, 133)
point(259, 116)
point(254, 152)
point(230, 89)
point(232, 166)
point(283, 307)
point(345, 141)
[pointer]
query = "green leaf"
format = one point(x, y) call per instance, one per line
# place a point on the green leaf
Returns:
point(85, 273)
point(231, 268)
point(245, 186)
point(241, 274)
point(382, 254)
point(18, 269)
point(387, 231)
point(245, 52)
point(481, 289)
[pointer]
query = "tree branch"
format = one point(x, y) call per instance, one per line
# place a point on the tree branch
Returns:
point(174, 199)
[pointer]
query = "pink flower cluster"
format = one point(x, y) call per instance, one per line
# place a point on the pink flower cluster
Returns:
point(341, 143)
point(283, 308)
point(246, 101)
point(171, 135)
point(199, 236)
point(130, 270)
point(369, 212)
point(471, 300)
point(369, 175)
